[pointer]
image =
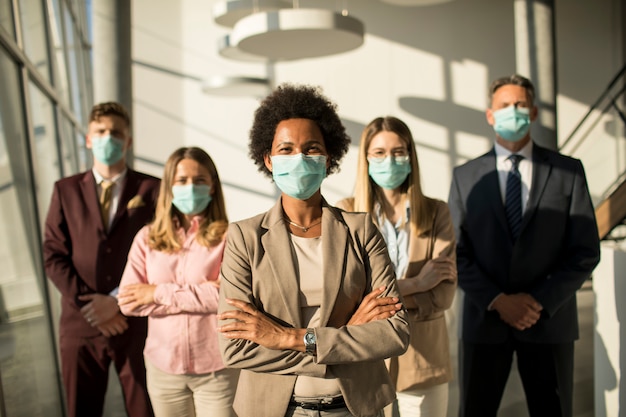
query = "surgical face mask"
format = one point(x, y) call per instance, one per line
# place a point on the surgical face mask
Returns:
point(511, 123)
point(389, 172)
point(107, 149)
point(299, 176)
point(191, 198)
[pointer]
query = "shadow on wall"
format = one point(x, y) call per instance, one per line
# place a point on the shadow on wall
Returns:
point(620, 290)
point(603, 365)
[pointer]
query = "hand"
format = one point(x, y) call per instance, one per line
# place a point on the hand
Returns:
point(251, 324)
point(373, 307)
point(117, 325)
point(434, 271)
point(520, 311)
point(136, 295)
point(99, 309)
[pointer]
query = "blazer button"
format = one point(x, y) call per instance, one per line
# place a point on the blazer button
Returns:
point(108, 250)
point(108, 278)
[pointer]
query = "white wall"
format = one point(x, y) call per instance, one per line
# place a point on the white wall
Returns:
point(430, 66)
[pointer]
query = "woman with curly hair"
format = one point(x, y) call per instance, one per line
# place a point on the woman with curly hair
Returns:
point(309, 305)
point(172, 277)
point(420, 237)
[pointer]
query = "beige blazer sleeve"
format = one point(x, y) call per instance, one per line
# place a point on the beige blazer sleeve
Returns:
point(440, 241)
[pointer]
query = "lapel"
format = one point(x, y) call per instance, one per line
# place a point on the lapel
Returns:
point(334, 241)
point(130, 186)
point(541, 172)
point(89, 193)
point(277, 245)
point(491, 186)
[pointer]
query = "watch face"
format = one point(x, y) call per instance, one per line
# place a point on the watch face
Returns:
point(309, 338)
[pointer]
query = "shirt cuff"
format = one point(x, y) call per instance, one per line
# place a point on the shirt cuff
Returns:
point(490, 306)
point(115, 291)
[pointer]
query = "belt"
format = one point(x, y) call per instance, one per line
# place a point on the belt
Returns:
point(321, 405)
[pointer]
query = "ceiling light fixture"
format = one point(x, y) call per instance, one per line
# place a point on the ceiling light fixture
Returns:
point(227, 86)
point(414, 2)
point(227, 13)
point(290, 34)
point(227, 50)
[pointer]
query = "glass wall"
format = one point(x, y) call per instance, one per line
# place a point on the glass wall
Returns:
point(44, 62)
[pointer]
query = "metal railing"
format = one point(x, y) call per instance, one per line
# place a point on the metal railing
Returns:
point(599, 141)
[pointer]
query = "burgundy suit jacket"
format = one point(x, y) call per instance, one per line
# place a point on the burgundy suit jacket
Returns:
point(80, 256)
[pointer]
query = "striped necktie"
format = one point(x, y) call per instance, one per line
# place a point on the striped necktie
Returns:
point(105, 201)
point(513, 197)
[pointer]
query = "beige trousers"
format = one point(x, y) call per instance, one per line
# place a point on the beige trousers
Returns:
point(205, 395)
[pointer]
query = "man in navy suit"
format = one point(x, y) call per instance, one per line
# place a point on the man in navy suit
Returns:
point(526, 241)
point(91, 223)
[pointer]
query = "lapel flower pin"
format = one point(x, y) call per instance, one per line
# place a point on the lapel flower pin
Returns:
point(135, 202)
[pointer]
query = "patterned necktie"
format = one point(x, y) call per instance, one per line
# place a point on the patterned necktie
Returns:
point(513, 197)
point(105, 201)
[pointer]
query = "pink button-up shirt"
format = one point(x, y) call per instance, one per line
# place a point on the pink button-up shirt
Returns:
point(182, 323)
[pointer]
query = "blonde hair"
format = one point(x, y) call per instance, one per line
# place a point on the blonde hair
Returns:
point(368, 193)
point(163, 235)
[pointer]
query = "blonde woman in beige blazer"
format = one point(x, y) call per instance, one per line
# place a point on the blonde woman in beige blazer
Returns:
point(420, 237)
point(309, 305)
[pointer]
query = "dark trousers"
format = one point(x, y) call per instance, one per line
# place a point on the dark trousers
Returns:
point(546, 371)
point(85, 366)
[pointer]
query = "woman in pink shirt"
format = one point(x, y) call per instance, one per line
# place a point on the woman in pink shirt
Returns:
point(172, 277)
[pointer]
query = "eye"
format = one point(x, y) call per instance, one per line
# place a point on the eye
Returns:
point(377, 153)
point(400, 152)
point(200, 180)
point(284, 149)
point(314, 149)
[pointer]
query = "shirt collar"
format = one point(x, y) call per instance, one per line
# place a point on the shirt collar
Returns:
point(116, 179)
point(379, 215)
point(503, 153)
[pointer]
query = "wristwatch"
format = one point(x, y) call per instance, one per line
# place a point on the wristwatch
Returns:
point(310, 343)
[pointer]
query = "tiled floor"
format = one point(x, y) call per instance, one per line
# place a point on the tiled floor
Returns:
point(21, 377)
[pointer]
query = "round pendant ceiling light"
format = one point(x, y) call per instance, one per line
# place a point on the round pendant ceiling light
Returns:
point(227, 13)
point(227, 50)
point(227, 86)
point(290, 34)
point(414, 2)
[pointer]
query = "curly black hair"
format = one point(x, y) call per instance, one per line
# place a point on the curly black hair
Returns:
point(291, 101)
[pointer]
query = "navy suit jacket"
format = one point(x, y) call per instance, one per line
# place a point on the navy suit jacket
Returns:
point(556, 251)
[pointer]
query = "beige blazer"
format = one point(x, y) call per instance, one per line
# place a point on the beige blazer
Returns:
point(427, 360)
point(259, 268)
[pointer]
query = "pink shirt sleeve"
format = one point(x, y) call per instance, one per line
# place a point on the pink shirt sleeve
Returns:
point(185, 281)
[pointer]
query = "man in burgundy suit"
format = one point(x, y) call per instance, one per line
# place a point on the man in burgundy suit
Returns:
point(92, 220)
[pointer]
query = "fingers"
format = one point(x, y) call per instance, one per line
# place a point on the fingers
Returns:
point(373, 294)
point(242, 305)
point(117, 325)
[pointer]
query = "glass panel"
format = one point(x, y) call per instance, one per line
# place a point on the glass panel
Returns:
point(74, 51)
point(56, 26)
point(34, 35)
point(43, 148)
point(85, 157)
point(28, 370)
point(69, 158)
point(6, 17)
